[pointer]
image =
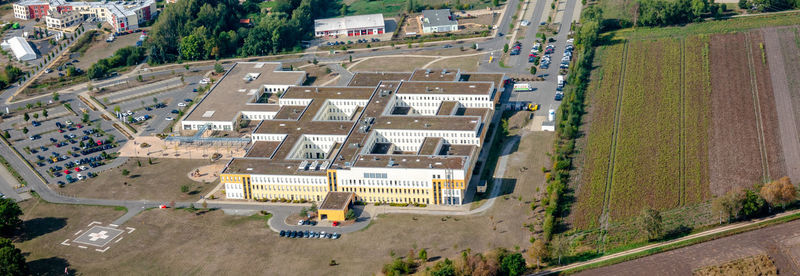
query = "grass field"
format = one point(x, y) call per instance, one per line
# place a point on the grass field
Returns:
point(160, 181)
point(697, 106)
point(466, 64)
point(396, 7)
point(755, 265)
point(391, 64)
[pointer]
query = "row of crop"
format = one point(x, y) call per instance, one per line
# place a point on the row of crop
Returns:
point(647, 154)
point(602, 100)
point(697, 118)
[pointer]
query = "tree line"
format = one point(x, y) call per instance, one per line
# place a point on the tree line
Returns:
point(12, 262)
point(499, 261)
point(210, 29)
point(10, 75)
point(668, 12)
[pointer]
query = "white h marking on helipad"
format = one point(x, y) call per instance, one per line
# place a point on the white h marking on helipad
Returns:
point(98, 235)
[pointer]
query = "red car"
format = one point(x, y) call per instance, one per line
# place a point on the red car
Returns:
point(79, 126)
point(77, 169)
point(60, 130)
point(67, 171)
point(335, 223)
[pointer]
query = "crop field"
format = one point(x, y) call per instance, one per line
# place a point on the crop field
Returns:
point(674, 121)
point(646, 170)
point(601, 106)
point(697, 106)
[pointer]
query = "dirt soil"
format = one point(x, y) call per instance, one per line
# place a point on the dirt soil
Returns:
point(782, 49)
point(780, 242)
point(769, 118)
point(734, 155)
point(755, 265)
point(160, 181)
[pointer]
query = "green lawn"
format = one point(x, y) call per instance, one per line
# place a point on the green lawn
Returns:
point(396, 7)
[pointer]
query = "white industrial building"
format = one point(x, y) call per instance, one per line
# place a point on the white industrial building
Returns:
point(20, 48)
point(62, 20)
point(358, 25)
point(435, 21)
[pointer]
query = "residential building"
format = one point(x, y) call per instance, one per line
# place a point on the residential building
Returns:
point(435, 21)
point(62, 20)
point(357, 25)
point(21, 49)
point(122, 16)
point(386, 137)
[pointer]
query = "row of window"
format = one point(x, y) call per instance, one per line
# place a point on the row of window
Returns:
point(379, 182)
point(442, 98)
point(375, 175)
point(386, 190)
point(264, 187)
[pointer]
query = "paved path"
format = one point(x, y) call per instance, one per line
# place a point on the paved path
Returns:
point(780, 242)
point(637, 250)
point(8, 183)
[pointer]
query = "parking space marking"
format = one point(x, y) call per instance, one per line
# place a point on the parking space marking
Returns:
point(76, 233)
point(82, 247)
point(93, 223)
point(65, 242)
point(120, 238)
point(102, 251)
point(130, 230)
point(113, 225)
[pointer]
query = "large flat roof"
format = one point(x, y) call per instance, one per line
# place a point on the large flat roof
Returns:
point(424, 87)
point(237, 90)
point(298, 119)
point(437, 18)
point(373, 78)
point(349, 22)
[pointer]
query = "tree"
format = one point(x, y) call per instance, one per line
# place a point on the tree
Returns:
point(495, 3)
point(218, 68)
point(44, 113)
point(423, 255)
point(125, 172)
point(12, 262)
point(410, 6)
point(343, 10)
point(444, 268)
point(538, 252)
point(505, 48)
point(24, 130)
point(6, 134)
point(184, 188)
point(155, 100)
point(56, 96)
point(533, 70)
point(728, 205)
point(313, 207)
point(513, 264)
point(779, 192)
point(651, 224)
point(36, 115)
point(85, 118)
point(743, 4)
point(351, 215)
point(9, 216)
point(752, 205)
point(304, 212)
point(26, 117)
point(559, 247)
point(315, 61)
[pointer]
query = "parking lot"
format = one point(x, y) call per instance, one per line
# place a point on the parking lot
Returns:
point(151, 116)
point(64, 149)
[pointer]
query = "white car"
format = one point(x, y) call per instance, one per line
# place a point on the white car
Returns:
point(80, 176)
point(524, 22)
point(300, 222)
point(83, 168)
point(181, 104)
point(168, 118)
